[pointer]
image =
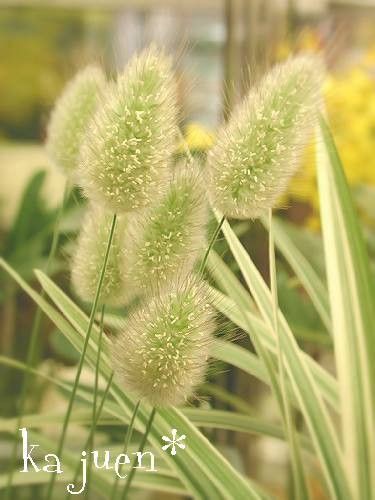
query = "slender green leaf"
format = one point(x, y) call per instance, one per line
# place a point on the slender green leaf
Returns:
point(162, 480)
point(227, 305)
point(353, 315)
point(300, 488)
point(172, 418)
point(213, 419)
point(235, 401)
point(304, 385)
point(203, 470)
point(306, 273)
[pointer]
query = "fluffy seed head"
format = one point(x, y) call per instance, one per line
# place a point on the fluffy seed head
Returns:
point(258, 151)
point(89, 254)
point(167, 238)
point(70, 117)
point(162, 352)
point(126, 153)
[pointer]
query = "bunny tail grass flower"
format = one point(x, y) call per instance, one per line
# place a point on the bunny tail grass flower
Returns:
point(167, 238)
point(161, 353)
point(260, 148)
point(71, 116)
point(89, 254)
point(126, 153)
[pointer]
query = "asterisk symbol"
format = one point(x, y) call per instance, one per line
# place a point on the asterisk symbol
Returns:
point(175, 441)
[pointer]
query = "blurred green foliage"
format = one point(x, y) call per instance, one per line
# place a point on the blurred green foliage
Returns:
point(39, 50)
point(26, 245)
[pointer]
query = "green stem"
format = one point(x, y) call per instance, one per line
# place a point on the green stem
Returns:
point(96, 384)
point(93, 427)
point(83, 354)
point(217, 230)
point(141, 448)
point(34, 337)
point(128, 436)
point(299, 483)
point(211, 244)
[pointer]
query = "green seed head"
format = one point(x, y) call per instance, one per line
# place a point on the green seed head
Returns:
point(259, 150)
point(167, 238)
point(162, 352)
point(70, 117)
point(89, 255)
point(126, 153)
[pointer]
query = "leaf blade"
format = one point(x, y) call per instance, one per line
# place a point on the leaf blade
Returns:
point(352, 308)
point(311, 403)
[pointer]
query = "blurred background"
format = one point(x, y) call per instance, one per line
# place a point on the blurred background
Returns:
point(43, 43)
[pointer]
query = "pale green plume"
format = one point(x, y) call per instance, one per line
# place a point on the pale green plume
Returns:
point(87, 260)
point(70, 117)
point(128, 147)
point(260, 148)
point(169, 237)
point(162, 351)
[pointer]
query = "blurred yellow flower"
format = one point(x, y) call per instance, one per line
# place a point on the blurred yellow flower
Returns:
point(350, 102)
point(197, 137)
point(369, 57)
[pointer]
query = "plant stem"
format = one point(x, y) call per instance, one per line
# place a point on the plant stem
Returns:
point(218, 227)
point(299, 483)
point(128, 436)
point(141, 448)
point(211, 244)
point(83, 353)
point(93, 427)
point(96, 384)
point(34, 337)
